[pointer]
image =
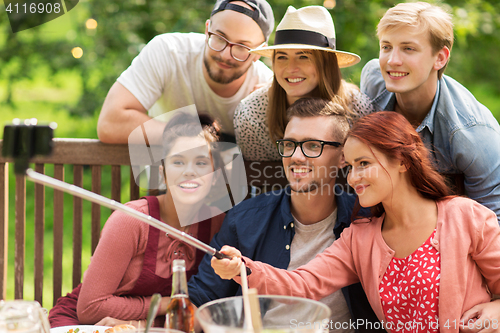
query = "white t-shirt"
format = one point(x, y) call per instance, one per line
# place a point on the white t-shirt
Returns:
point(168, 75)
point(310, 240)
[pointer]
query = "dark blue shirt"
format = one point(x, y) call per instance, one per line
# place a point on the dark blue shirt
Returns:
point(262, 229)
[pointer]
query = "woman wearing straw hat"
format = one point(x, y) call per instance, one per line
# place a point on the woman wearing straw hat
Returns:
point(305, 64)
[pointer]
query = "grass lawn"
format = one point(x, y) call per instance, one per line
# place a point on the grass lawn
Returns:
point(48, 101)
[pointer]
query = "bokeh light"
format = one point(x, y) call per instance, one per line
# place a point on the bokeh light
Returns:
point(77, 52)
point(91, 24)
point(329, 4)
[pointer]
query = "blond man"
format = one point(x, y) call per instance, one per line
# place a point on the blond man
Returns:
point(415, 45)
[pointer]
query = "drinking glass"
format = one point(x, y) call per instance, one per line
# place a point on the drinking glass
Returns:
point(22, 316)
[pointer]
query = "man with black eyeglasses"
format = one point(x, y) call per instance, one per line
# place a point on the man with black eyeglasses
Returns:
point(213, 71)
point(287, 228)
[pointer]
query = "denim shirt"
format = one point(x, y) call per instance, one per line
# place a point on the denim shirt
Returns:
point(461, 133)
point(262, 228)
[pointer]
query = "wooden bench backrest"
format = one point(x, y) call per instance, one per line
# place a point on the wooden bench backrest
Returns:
point(78, 153)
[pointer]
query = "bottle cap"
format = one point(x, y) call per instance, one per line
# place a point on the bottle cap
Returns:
point(179, 264)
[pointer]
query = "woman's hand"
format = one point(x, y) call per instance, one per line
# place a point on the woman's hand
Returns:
point(225, 268)
point(108, 321)
point(482, 318)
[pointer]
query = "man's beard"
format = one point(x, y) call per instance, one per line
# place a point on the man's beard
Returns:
point(217, 75)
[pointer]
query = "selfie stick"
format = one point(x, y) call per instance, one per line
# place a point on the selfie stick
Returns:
point(115, 205)
point(22, 142)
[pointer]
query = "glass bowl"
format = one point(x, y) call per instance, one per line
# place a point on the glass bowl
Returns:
point(279, 314)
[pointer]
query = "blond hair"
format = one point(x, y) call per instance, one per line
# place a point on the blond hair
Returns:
point(424, 17)
point(330, 86)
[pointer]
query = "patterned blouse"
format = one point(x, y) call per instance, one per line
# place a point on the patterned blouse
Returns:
point(250, 124)
point(409, 291)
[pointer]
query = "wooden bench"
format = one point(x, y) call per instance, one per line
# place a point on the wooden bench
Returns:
point(78, 154)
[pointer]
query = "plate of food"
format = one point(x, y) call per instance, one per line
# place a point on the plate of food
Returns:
point(92, 329)
point(79, 329)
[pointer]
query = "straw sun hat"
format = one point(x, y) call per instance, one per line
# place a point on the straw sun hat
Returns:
point(309, 28)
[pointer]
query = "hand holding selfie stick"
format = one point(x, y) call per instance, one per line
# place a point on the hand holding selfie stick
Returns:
point(23, 141)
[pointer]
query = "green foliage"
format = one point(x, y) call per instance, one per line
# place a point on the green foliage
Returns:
point(125, 26)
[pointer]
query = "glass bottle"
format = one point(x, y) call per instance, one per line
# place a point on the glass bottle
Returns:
point(180, 311)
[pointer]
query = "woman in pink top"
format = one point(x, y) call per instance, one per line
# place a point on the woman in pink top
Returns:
point(424, 258)
point(133, 260)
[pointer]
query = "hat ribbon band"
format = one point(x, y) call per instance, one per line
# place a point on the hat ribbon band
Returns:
point(303, 37)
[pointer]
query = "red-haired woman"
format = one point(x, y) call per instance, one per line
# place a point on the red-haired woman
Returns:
point(423, 258)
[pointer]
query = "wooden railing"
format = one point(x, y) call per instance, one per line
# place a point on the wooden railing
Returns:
point(80, 154)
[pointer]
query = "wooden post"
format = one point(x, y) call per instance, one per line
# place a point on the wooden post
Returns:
point(58, 234)
point(96, 209)
point(20, 236)
point(4, 227)
point(39, 235)
point(77, 227)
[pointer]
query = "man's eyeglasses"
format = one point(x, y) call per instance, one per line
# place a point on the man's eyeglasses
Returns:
point(310, 148)
point(218, 43)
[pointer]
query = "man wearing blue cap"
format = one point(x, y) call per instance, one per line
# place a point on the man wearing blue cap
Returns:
point(213, 71)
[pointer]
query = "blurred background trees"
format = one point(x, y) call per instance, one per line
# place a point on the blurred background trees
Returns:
point(70, 63)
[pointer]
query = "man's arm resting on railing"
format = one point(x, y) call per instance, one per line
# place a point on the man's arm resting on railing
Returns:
point(122, 113)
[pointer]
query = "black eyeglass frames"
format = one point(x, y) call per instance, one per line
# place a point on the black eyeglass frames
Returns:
point(310, 148)
point(239, 52)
